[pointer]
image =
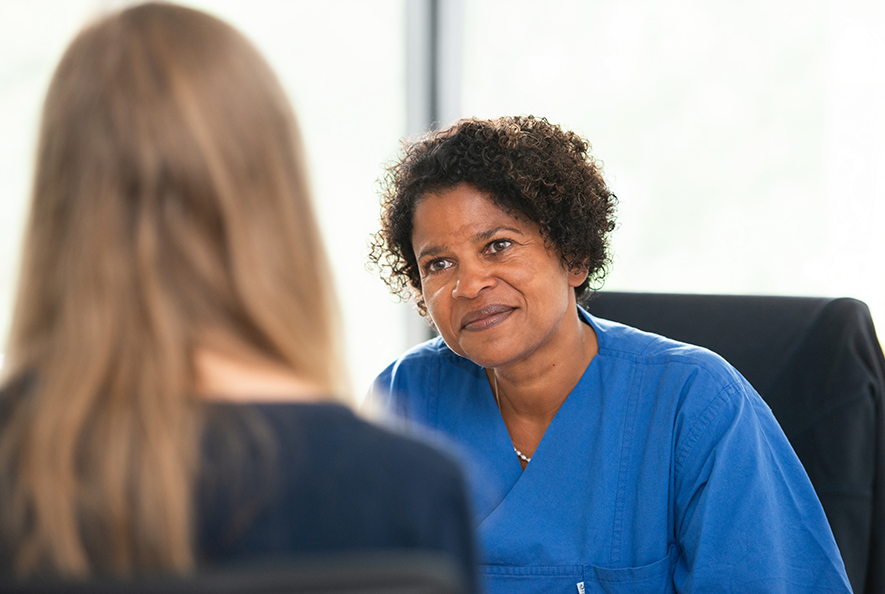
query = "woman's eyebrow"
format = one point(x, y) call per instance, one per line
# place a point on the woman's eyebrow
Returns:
point(431, 251)
point(486, 235)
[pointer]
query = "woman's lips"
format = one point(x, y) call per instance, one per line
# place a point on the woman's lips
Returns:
point(486, 317)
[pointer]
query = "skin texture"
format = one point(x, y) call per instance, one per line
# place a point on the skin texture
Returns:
point(225, 376)
point(502, 297)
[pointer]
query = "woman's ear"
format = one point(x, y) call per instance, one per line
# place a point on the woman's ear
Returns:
point(578, 275)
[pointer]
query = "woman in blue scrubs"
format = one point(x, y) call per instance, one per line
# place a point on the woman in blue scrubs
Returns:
point(602, 458)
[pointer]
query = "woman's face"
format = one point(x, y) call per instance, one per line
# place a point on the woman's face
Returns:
point(496, 292)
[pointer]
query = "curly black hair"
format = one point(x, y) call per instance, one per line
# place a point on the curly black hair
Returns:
point(526, 165)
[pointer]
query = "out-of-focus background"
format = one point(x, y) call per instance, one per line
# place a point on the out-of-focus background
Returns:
point(746, 141)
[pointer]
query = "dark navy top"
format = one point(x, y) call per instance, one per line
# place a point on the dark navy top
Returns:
point(314, 478)
point(296, 480)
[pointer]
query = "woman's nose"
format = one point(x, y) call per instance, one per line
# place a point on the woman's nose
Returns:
point(471, 279)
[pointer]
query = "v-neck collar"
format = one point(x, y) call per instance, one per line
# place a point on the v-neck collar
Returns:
point(502, 473)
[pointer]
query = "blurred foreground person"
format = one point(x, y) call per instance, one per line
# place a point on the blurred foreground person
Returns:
point(172, 379)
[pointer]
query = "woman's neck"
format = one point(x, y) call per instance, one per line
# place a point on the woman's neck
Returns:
point(530, 394)
point(239, 378)
point(537, 387)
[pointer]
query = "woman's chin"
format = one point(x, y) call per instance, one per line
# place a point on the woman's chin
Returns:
point(490, 357)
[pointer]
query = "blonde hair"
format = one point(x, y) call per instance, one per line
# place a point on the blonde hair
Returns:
point(170, 206)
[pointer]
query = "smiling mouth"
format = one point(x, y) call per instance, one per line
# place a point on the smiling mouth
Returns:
point(485, 318)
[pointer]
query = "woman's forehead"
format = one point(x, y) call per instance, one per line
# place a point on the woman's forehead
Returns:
point(461, 214)
point(465, 194)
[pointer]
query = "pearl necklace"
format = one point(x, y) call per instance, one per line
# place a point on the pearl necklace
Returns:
point(522, 456)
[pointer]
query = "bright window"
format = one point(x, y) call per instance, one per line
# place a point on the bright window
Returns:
point(746, 141)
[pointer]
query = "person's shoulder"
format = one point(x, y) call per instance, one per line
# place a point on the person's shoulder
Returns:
point(332, 479)
point(703, 389)
point(653, 351)
point(422, 465)
point(407, 450)
point(410, 466)
point(333, 437)
point(339, 431)
point(419, 486)
point(418, 376)
point(431, 352)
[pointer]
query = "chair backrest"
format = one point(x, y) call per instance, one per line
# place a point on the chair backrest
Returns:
point(375, 573)
point(819, 365)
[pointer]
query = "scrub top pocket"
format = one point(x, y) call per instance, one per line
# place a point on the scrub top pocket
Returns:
point(655, 577)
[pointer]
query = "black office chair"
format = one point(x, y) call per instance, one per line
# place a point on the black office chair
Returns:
point(819, 366)
point(382, 573)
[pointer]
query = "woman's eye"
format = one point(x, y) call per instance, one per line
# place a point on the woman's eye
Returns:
point(437, 265)
point(499, 245)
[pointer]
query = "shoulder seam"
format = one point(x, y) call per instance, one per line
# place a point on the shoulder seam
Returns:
point(709, 413)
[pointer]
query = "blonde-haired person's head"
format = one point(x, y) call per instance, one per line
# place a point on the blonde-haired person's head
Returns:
point(170, 217)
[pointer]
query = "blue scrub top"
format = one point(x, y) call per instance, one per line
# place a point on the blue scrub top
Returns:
point(663, 471)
